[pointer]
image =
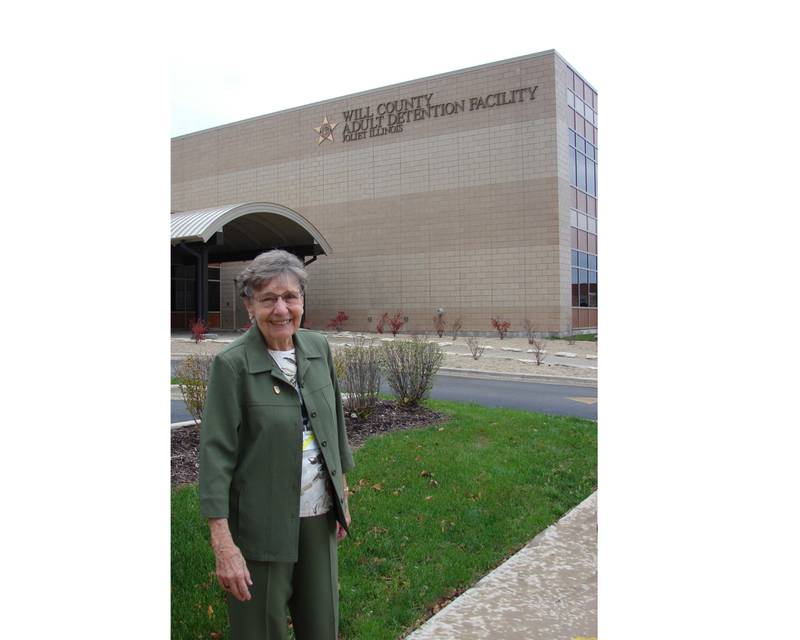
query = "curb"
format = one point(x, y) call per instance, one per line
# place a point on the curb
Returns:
point(180, 425)
point(520, 377)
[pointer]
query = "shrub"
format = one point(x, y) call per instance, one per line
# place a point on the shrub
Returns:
point(501, 325)
point(410, 366)
point(199, 329)
point(439, 323)
point(537, 344)
point(192, 375)
point(538, 350)
point(456, 327)
point(382, 323)
point(339, 367)
point(530, 330)
point(475, 347)
point(338, 320)
point(396, 322)
point(359, 371)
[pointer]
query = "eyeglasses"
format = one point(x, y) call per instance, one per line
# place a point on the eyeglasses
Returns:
point(290, 299)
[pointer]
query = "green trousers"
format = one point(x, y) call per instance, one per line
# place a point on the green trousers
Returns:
point(309, 587)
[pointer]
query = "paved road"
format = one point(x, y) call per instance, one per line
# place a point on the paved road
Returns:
point(556, 399)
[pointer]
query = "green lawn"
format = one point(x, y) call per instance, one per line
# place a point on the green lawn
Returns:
point(434, 509)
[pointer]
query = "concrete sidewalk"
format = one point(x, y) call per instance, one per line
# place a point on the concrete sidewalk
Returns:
point(546, 591)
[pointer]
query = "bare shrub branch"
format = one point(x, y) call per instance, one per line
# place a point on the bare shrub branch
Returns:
point(410, 367)
point(192, 374)
point(456, 327)
point(475, 348)
point(358, 369)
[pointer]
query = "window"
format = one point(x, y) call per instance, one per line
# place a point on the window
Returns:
point(582, 164)
point(213, 288)
point(572, 168)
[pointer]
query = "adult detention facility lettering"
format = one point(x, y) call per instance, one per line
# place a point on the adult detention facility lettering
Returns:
point(390, 116)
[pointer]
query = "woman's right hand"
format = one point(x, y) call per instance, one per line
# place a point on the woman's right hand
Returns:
point(232, 571)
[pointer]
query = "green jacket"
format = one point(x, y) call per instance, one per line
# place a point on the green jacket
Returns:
point(250, 441)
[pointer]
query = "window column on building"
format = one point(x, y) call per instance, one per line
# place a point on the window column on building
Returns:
point(582, 122)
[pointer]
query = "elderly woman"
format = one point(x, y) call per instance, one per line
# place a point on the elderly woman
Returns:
point(273, 458)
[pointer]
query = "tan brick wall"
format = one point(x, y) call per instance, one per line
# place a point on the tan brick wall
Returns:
point(465, 212)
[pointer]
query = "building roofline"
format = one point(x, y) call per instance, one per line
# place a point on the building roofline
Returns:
point(572, 66)
point(487, 65)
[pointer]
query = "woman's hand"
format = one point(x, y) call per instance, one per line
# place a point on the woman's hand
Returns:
point(341, 532)
point(232, 571)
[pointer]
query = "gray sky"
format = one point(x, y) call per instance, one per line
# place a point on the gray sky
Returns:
point(246, 63)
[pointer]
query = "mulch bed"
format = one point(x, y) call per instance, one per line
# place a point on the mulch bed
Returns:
point(388, 416)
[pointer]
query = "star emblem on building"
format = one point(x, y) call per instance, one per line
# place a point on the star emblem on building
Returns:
point(325, 130)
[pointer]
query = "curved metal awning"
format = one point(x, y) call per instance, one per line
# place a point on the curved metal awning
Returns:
point(249, 226)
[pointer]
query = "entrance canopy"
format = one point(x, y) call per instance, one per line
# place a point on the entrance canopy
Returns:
point(236, 232)
point(242, 231)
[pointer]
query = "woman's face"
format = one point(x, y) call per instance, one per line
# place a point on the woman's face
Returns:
point(277, 308)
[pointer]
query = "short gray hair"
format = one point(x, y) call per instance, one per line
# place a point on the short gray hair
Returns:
point(267, 266)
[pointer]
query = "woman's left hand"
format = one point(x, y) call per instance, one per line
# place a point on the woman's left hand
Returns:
point(341, 532)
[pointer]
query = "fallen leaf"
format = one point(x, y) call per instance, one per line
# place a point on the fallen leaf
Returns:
point(424, 474)
point(210, 611)
point(428, 497)
point(378, 486)
point(441, 428)
point(215, 635)
point(434, 483)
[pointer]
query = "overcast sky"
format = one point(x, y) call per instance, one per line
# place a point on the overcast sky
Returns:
point(241, 64)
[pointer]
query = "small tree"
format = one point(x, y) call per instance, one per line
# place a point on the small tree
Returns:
point(456, 327)
point(439, 323)
point(396, 322)
point(199, 329)
point(358, 369)
point(537, 344)
point(382, 323)
point(338, 320)
point(192, 375)
point(475, 348)
point(501, 325)
point(530, 330)
point(410, 366)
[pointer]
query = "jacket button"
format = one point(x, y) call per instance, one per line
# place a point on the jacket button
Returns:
point(324, 443)
point(333, 473)
point(313, 414)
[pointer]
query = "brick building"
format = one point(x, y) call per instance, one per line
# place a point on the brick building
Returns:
point(473, 191)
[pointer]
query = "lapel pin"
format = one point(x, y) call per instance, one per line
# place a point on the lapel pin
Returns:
point(276, 389)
